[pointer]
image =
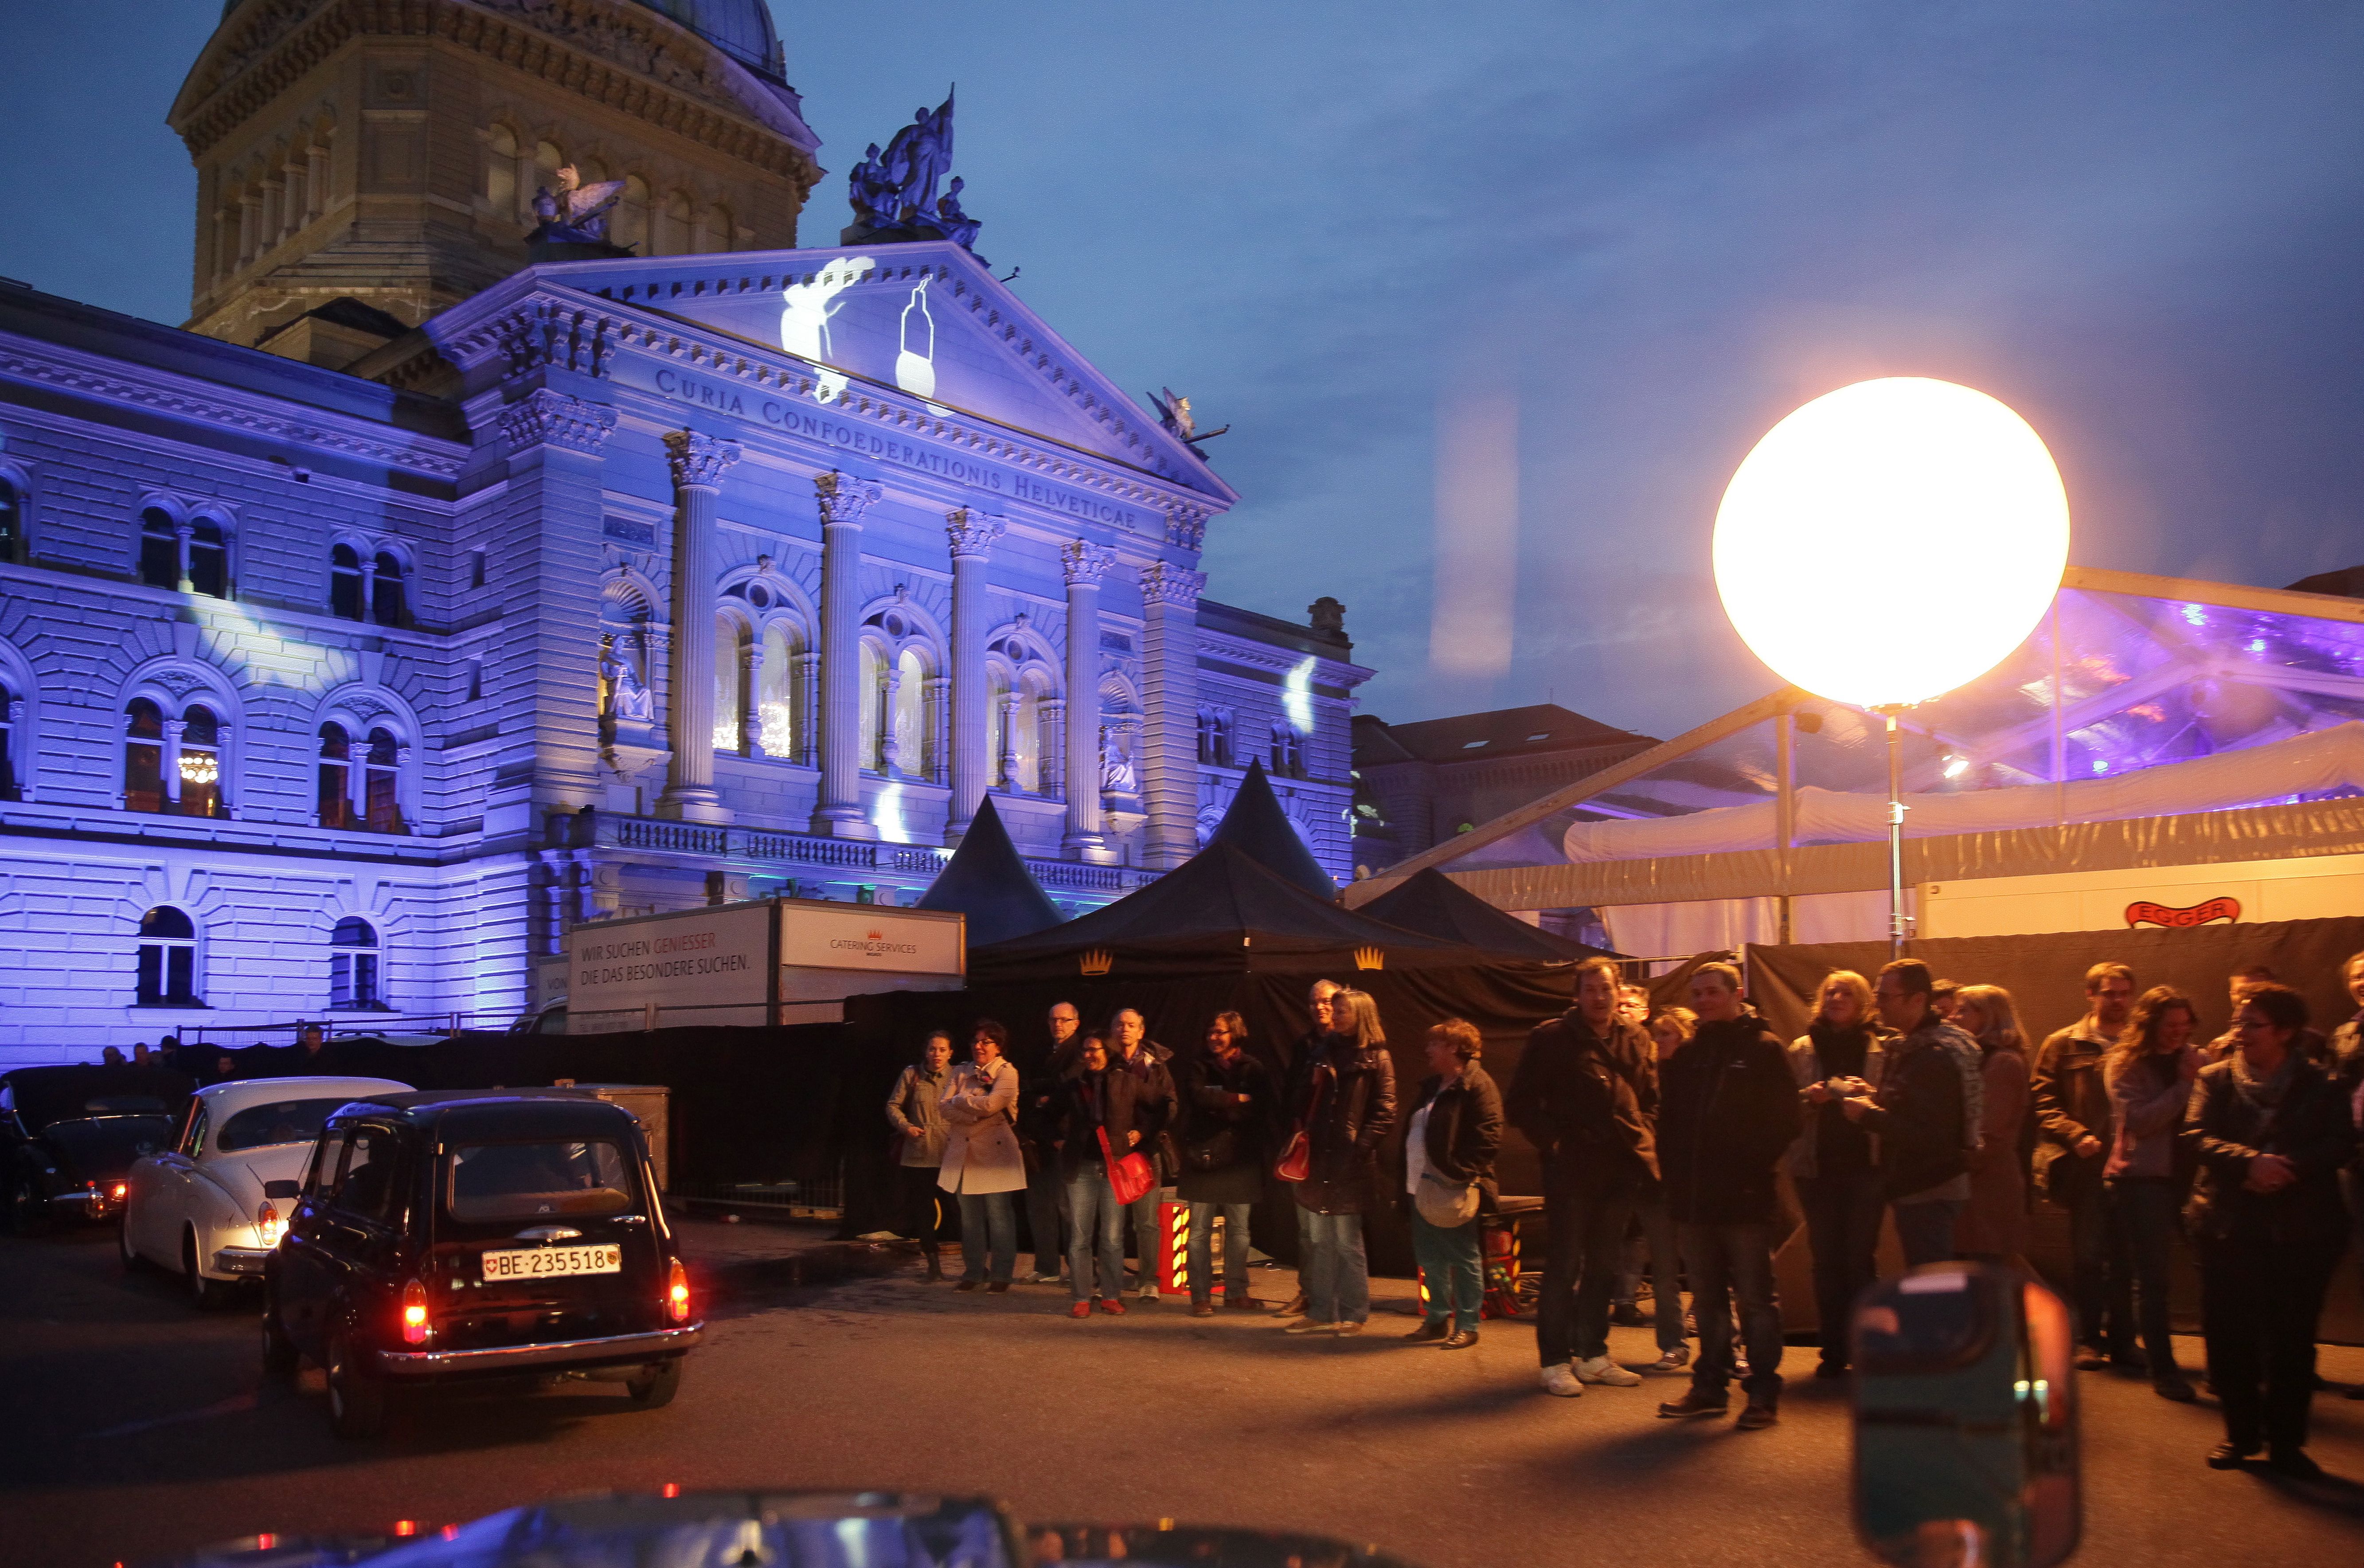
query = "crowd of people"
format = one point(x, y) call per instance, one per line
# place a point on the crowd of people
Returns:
point(1910, 1105)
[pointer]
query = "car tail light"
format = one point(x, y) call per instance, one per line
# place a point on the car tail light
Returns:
point(268, 1225)
point(414, 1312)
point(118, 1191)
point(677, 1293)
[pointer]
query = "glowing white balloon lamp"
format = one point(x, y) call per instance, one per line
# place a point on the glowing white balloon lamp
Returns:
point(1888, 543)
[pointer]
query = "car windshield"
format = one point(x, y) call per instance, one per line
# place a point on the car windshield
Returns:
point(503, 1182)
point(281, 1121)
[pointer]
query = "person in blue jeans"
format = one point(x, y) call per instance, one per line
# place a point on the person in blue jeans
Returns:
point(1449, 1147)
point(1228, 1104)
point(1350, 1082)
point(1095, 1121)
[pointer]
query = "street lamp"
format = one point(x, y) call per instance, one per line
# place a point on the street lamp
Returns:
point(1886, 543)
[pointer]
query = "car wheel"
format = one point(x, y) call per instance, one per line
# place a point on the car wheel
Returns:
point(132, 1262)
point(279, 1356)
point(29, 1212)
point(204, 1293)
point(654, 1390)
point(357, 1397)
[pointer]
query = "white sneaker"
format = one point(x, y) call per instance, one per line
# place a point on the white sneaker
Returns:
point(1148, 1292)
point(1558, 1378)
point(1601, 1369)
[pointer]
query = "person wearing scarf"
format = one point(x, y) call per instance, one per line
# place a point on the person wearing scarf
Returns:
point(1832, 1162)
point(2270, 1132)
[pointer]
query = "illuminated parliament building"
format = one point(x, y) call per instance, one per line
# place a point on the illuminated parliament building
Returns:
point(434, 588)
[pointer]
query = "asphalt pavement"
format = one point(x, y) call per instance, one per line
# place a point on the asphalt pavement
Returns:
point(135, 1428)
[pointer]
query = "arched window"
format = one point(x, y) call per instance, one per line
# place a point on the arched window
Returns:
point(386, 605)
point(1026, 736)
point(10, 710)
point(1288, 752)
point(1001, 760)
point(345, 583)
point(167, 958)
point(547, 161)
point(208, 558)
point(672, 227)
point(874, 708)
point(629, 224)
point(160, 549)
point(1215, 737)
point(500, 170)
point(143, 757)
point(336, 776)
point(910, 696)
point(381, 784)
point(352, 965)
point(198, 768)
point(13, 548)
point(729, 688)
point(775, 708)
point(718, 226)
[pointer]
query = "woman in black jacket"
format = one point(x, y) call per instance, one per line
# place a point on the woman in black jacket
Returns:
point(2270, 1132)
point(1096, 1113)
point(1350, 1084)
point(1449, 1149)
point(1228, 1106)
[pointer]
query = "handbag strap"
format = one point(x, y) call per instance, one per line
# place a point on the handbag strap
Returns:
point(1108, 1155)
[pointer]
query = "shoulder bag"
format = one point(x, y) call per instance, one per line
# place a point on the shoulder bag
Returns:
point(1130, 1174)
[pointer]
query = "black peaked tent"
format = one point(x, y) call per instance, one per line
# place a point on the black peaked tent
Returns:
point(1435, 905)
point(1256, 826)
point(986, 881)
point(1220, 912)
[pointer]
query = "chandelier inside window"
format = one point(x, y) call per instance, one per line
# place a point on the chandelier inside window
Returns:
point(199, 767)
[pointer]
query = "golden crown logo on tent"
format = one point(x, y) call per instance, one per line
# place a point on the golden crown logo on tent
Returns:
point(1097, 960)
point(1371, 957)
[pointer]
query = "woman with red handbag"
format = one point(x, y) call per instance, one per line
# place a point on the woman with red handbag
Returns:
point(1349, 1089)
point(1095, 1121)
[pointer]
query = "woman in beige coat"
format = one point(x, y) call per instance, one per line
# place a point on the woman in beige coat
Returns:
point(983, 1165)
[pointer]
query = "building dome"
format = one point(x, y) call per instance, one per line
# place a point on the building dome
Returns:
point(740, 28)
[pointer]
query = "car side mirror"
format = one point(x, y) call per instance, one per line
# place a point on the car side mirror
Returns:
point(281, 1189)
point(1965, 1420)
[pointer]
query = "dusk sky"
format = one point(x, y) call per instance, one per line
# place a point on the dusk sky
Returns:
point(1604, 247)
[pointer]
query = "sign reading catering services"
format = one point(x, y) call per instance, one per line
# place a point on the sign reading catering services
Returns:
point(865, 936)
point(704, 958)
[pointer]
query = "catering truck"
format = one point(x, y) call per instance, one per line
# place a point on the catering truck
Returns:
point(763, 961)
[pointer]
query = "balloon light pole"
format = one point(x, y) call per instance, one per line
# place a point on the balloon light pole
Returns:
point(1846, 525)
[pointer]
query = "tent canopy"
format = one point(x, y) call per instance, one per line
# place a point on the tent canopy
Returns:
point(987, 881)
point(1256, 826)
point(2137, 699)
point(1220, 912)
point(1435, 905)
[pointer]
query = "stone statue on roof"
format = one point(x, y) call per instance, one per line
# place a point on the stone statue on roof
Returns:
point(576, 214)
point(893, 193)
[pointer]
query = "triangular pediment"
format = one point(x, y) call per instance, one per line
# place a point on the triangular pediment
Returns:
point(924, 318)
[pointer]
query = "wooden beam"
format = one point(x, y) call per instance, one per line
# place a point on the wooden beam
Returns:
point(1607, 778)
point(2222, 595)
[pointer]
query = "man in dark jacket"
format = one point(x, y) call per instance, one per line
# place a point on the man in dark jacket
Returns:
point(1228, 1104)
point(2271, 1131)
point(2075, 1131)
point(1727, 1111)
point(1918, 1114)
point(1095, 1099)
point(1586, 1094)
point(1132, 1052)
point(1038, 1129)
point(1317, 1002)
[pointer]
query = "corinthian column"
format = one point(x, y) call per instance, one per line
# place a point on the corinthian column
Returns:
point(1169, 667)
point(698, 464)
point(1085, 564)
point(844, 501)
point(972, 536)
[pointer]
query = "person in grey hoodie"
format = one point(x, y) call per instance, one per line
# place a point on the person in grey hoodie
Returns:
point(2149, 1073)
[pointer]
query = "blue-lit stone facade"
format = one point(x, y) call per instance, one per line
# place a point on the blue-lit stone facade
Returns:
point(322, 694)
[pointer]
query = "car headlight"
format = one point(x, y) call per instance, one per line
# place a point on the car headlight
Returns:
point(268, 1226)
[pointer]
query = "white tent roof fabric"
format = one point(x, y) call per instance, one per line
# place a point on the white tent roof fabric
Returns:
point(2308, 765)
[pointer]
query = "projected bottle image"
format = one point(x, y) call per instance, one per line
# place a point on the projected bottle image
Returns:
point(915, 363)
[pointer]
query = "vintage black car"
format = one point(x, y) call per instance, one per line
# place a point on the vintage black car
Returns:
point(68, 1136)
point(474, 1236)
